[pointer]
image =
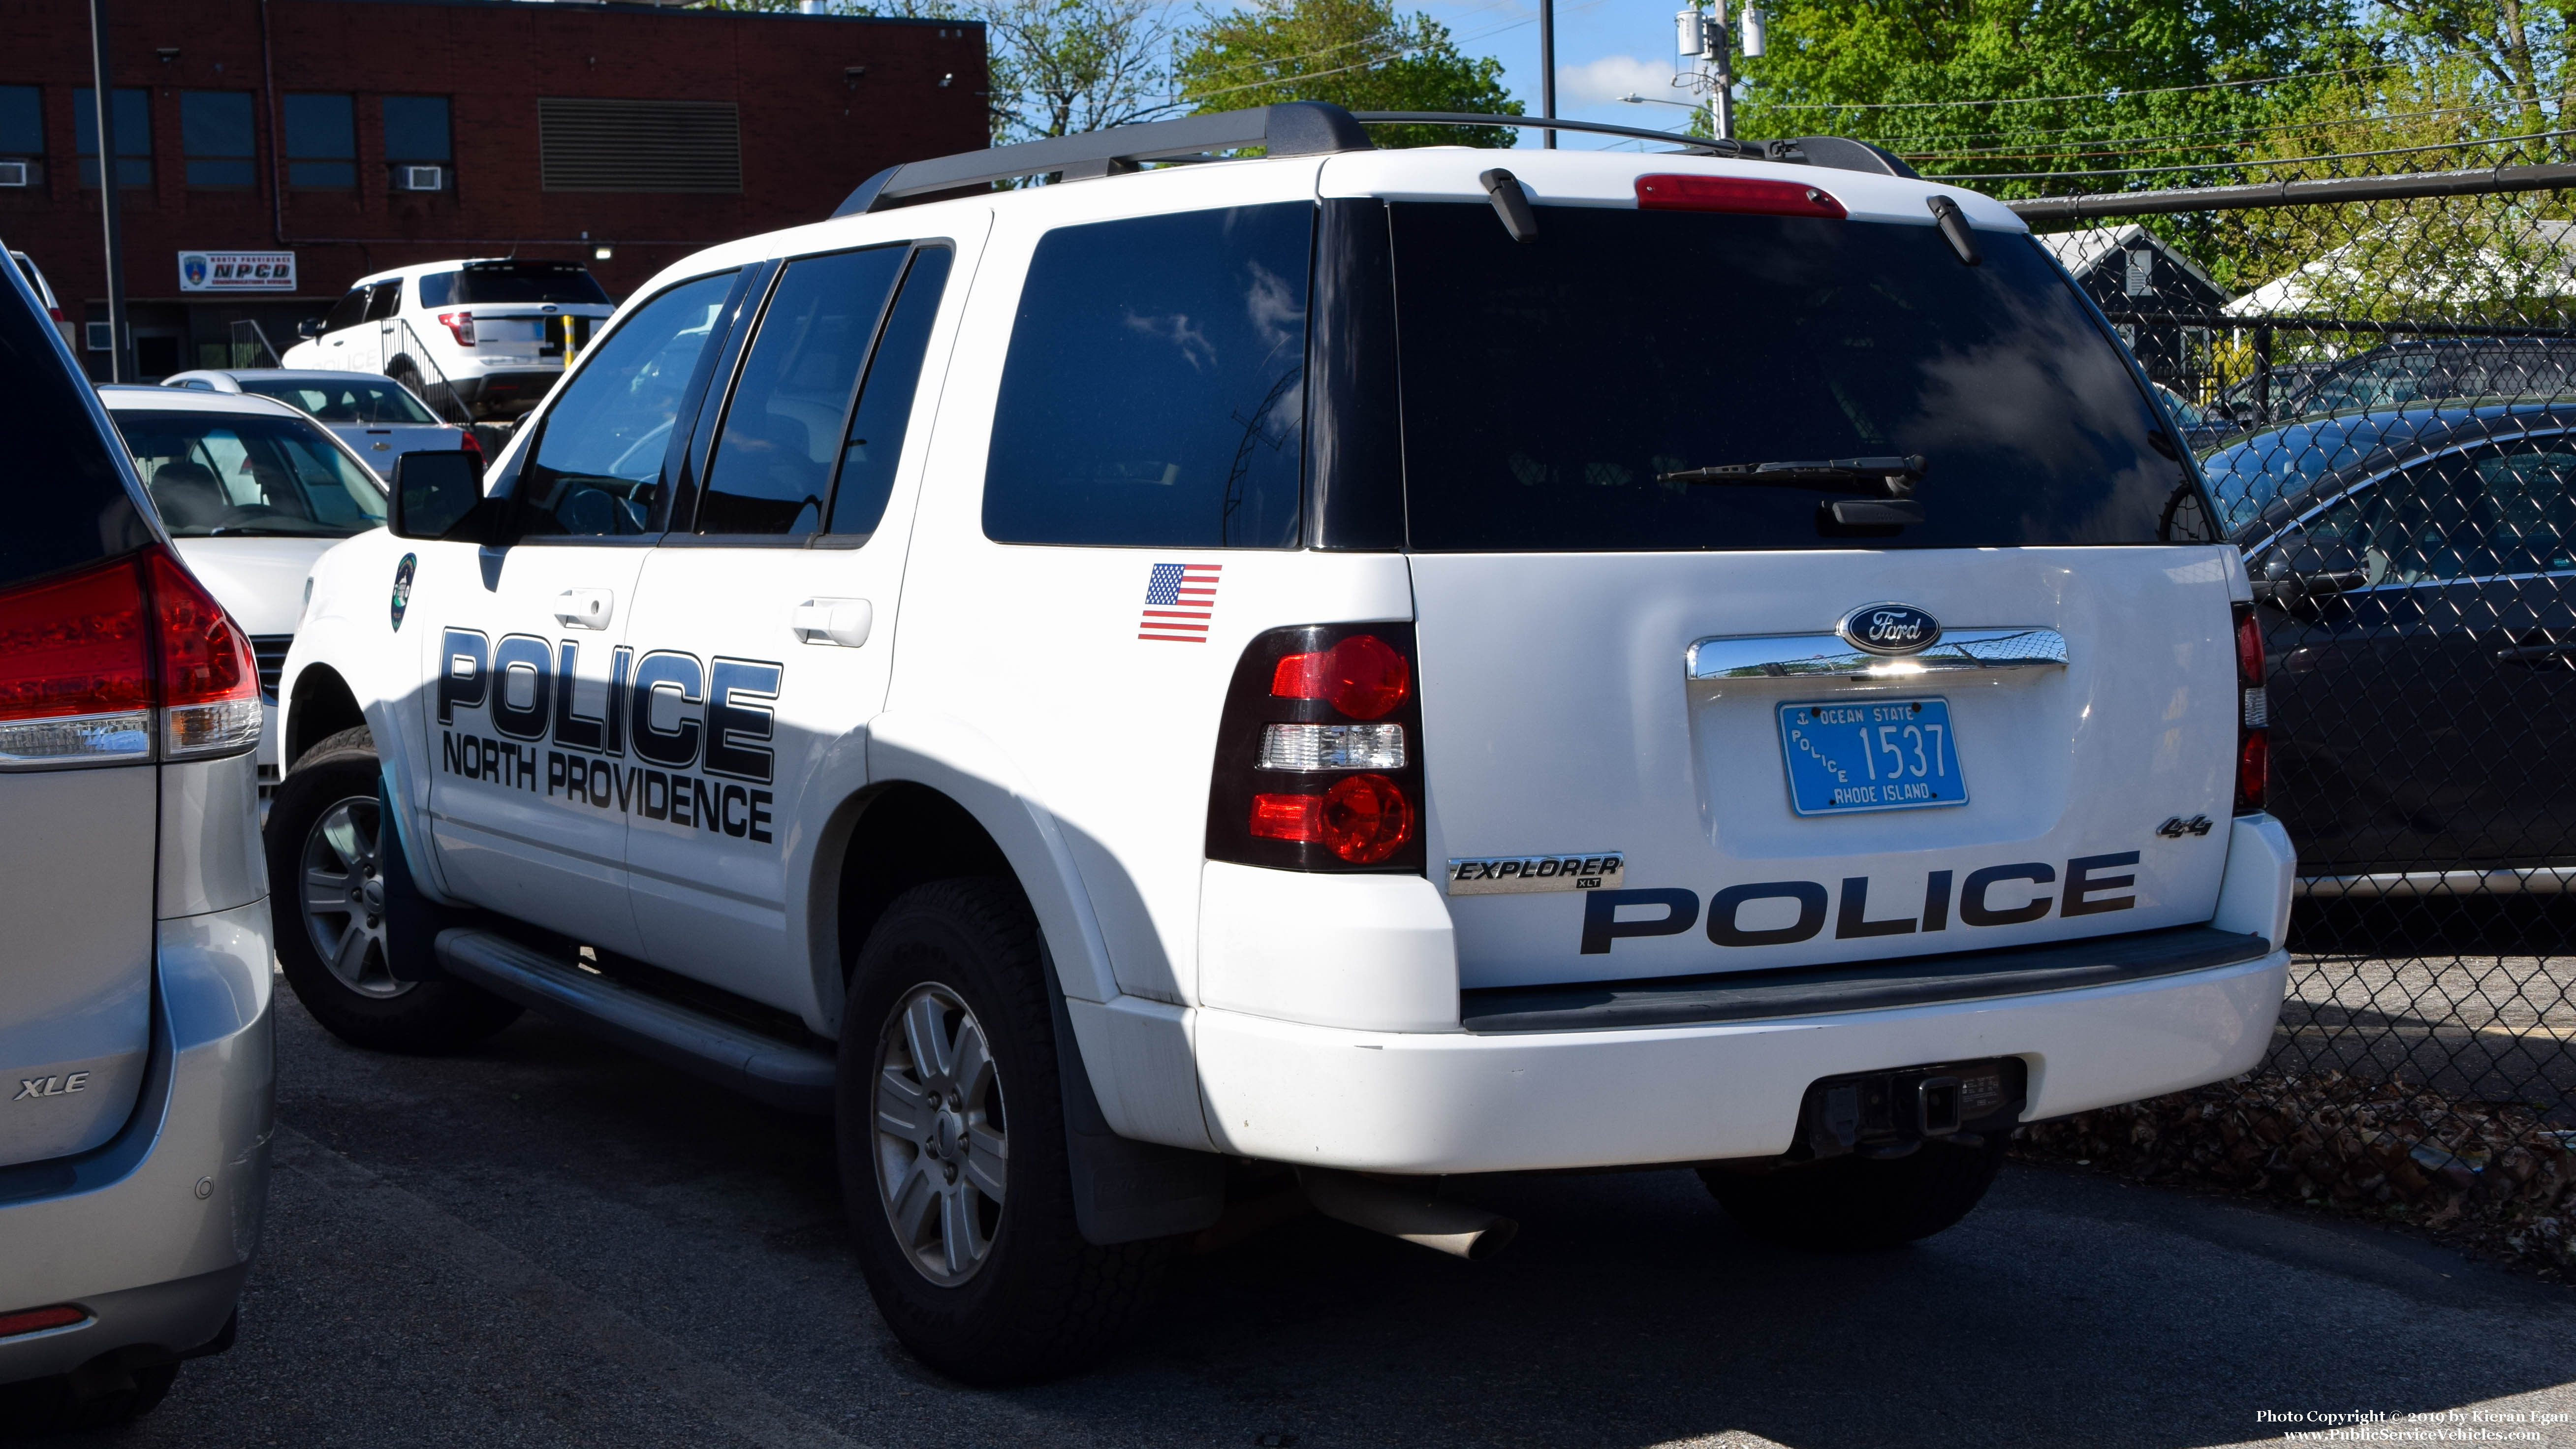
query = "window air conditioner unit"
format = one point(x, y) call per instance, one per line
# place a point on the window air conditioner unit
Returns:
point(420, 178)
point(13, 173)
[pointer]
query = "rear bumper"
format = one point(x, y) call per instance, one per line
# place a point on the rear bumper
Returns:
point(1329, 1067)
point(504, 392)
point(153, 1232)
point(1425, 1102)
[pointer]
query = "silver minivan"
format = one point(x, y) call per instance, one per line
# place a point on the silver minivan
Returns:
point(136, 1077)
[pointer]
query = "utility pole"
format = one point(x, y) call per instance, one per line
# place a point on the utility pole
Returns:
point(1705, 36)
point(119, 350)
point(1547, 69)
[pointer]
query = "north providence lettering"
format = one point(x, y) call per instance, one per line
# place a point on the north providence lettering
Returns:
point(676, 715)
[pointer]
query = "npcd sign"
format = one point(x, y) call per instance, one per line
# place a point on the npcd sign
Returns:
point(236, 271)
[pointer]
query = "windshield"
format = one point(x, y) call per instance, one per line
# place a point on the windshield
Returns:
point(497, 282)
point(233, 474)
point(2247, 478)
point(358, 400)
point(1547, 385)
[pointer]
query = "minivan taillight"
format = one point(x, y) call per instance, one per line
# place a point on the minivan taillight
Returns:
point(123, 661)
point(1319, 756)
point(2254, 715)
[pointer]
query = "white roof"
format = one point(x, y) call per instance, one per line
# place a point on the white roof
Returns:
point(188, 400)
point(2081, 251)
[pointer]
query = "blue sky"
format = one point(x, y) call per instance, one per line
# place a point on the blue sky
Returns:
point(1604, 49)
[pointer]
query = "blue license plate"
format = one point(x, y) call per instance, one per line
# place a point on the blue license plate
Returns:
point(1882, 754)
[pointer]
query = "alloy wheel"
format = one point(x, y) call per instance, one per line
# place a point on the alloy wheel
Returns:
point(343, 894)
point(943, 1156)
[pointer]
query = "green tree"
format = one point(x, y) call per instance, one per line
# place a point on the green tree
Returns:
point(1358, 54)
point(1996, 88)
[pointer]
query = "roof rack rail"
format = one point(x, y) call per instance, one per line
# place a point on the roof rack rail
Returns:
point(1292, 128)
point(1841, 153)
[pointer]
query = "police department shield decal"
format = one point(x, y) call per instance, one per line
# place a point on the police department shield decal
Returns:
point(402, 586)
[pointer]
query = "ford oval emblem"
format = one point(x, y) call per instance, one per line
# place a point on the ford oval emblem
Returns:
point(1889, 629)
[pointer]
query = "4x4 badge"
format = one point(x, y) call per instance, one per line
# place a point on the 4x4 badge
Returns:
point(1889, 629)
point(402, 586)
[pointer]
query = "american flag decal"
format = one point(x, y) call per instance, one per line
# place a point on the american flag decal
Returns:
point(1178, 600)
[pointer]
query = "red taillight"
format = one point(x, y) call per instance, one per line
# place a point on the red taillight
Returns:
point(87, 660)
point(2254, 715)
point(36, 1320)
point(55, 312)
point(1319, 757)
point(1737, 194)
point(1362, 676)
point(1366, 818)
point(75, 646)
point(459, 325)
point(1288, 817)
point(469, 443)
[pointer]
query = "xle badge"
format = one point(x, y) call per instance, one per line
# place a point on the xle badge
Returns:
point(402, 586)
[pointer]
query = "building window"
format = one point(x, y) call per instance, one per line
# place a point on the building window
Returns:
point(215, 136)
point(416, 145)
point(22, 136)
point(670, 146)
point(321, 141)
point(133, 135)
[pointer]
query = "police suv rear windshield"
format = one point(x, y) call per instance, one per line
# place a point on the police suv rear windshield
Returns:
point(493, 283)
point(1546, 385)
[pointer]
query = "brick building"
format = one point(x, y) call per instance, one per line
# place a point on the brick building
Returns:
point(362, 134)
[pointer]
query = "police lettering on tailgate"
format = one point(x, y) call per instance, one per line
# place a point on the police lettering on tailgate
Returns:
point(1995, 895)
point(699, 731)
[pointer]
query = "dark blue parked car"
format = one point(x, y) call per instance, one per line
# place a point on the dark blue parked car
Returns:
point(2416, 576)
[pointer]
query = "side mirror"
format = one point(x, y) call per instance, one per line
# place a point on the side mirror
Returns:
point(433, 493)
point(309, 327)
point(2300, 570)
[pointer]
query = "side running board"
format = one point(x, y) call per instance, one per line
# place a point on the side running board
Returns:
point(763, 1068)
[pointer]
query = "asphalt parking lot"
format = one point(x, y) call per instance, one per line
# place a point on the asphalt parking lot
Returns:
point(548, 1242)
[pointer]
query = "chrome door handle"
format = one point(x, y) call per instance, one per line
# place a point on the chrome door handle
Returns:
point(585, 608)
point(833, 621)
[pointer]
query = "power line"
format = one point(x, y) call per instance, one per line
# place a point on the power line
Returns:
point(2005, 150)
point(2224, 165)
point(2114, 94)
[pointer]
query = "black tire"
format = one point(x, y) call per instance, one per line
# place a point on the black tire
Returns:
point(56, 1405)
point(331, 794)
point(1854, 1204)
point(1040, 1301)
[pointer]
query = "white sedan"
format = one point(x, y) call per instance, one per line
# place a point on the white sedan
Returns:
point(377, 417)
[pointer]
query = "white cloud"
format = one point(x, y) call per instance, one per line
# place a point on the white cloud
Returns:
point(1612, 76)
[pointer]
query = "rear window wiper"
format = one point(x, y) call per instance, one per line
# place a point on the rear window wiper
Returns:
point(1833, 475)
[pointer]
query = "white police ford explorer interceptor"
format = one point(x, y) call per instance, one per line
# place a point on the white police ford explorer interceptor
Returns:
point(1316, 664)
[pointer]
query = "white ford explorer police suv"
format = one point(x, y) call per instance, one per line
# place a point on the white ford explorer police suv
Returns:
point(1313, 663)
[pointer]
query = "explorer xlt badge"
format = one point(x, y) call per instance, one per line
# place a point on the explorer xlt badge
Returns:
point(1890, 629)
point(1494, 875)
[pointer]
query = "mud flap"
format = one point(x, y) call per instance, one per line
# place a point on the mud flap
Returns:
point(1125, 1191)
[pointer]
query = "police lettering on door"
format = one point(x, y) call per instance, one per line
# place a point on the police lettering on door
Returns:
point(697, 731)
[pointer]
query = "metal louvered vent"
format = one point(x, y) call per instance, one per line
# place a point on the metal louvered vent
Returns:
point(270, 651)
point(596, 145)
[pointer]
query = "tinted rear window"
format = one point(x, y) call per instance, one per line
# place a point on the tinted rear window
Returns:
point(1153, 393)
point(495, 282)
point(66, 504)
point(357, 400)
point(1546, 385)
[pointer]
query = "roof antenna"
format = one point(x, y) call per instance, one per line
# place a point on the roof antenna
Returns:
point(1510, 204)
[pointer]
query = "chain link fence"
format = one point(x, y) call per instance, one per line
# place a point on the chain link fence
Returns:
point(2379, 371)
